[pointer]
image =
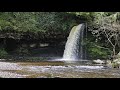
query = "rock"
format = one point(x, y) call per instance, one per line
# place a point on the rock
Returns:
point(113, 64)
point(98, 61)
point(118, 55)
point(116, 61)
point(109, 63)
point(2, 59)
point(66, 66)
point(33, 45)
point(57, 77)
point(44, 45)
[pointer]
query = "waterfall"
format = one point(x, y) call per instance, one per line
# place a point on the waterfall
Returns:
point(74, 49)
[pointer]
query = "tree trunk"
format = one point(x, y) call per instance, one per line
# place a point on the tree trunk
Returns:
point(114, 52)
point(4, 43)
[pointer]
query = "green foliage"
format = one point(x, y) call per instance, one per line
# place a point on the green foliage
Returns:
point(3, 53)
point(36, 24)
point(22, 51)
point(36, 21)
point(107, 27)
point(54, 21)
point(104, 27)
point(95, 50)
point(85, 15)
point(42, 25)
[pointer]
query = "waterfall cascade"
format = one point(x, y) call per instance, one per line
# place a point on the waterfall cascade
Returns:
point(74, 49)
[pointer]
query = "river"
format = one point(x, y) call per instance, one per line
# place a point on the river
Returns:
point(55, 69)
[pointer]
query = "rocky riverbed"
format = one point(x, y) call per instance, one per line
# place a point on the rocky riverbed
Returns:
point(54, 69)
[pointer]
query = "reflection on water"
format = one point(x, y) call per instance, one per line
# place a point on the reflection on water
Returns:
point(70, 62)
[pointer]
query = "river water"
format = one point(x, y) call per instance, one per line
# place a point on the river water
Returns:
point(55, 69)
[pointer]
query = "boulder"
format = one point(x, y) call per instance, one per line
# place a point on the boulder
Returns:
point(109, 63)
point(113, 64)
point(118, 55)
point(98, 61)
point(2, 59)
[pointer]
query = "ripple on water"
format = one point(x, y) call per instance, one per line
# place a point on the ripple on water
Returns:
point(9, 66)
point(67, 69)
point(49, 69)
point(90, 67)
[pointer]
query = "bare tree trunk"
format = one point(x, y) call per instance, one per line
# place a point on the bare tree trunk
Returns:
point(114, 52)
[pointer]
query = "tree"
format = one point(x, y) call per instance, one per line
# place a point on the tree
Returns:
point(107, 26)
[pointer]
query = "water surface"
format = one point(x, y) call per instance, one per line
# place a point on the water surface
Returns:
point(55, 69)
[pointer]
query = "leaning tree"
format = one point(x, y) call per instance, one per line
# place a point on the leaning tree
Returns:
point(107, 25)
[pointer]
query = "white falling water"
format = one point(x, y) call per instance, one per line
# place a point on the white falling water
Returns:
point(73, 48)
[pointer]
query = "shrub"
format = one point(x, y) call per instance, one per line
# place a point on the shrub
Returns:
point(22, 51)
point(3, 53)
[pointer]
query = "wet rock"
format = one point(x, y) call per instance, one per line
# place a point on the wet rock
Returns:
point(66, 66)
point(42, 77)
point(2, 59)
point(113, 64)
point(118, 55)
point(48, 67)
point(109, 63)
point(57, 77)
point(116, 63)
point(98, 61)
